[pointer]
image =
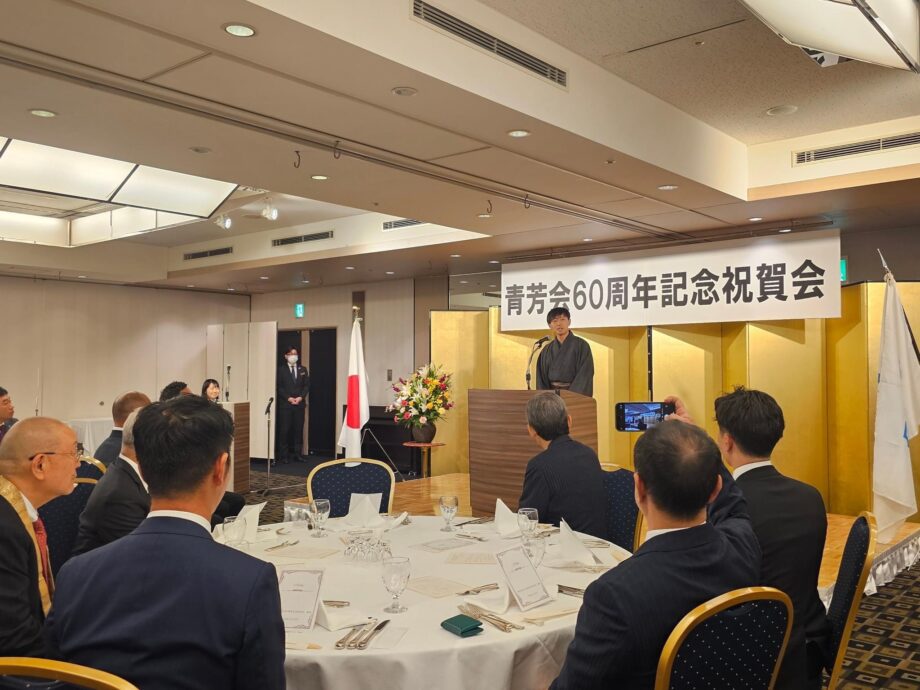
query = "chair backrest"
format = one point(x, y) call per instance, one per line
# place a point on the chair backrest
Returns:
point(848, 591)
point(90, 468)
point(736, 640)
point(337, 480)
point(61, 671)
point(622, 511)
point(62, 521)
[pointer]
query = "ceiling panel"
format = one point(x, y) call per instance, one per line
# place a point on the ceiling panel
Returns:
point(635, 208)
point(682, 221)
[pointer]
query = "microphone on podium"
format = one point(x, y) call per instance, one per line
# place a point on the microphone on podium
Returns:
point(536, 346)
point(268, 408)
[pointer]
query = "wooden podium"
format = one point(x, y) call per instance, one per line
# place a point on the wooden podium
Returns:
point(500, 446)
point(239, 451)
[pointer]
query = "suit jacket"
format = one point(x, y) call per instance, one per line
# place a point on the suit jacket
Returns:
point(118, 504)
point(109, 449)
point(22, 611)
point(168, 608)
point(790, 522)
point(629, 612)
point(287, 387)
point(566, 481)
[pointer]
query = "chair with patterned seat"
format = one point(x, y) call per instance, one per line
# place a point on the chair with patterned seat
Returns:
point(621, 509)
point(852, 574)
point(704, 649)
point(17, 673)
point(337, 480)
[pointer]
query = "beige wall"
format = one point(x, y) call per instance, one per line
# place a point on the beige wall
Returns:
point(87, 343)
point(900, 246)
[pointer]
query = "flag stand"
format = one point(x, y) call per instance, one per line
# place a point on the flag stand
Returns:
point(367, 430)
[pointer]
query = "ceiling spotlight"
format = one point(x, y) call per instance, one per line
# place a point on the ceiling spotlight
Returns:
point(318, 178)
point(484, 215)
point(782, 110)
point(785, 230)
point(494, 261)
point(455, 256)
point(81, 276)
point(518, 133)
point(222, 221)
point(199, 149)
point(263, 277)
point(464, 282)
point(667, 187)
point(305, 282)
point(231, 289)
point(349, 268)
point(755, 219)
point(39, 112)
point(269, 212)
point(403, 91)
point(587, 239)
point(239, 30)
point(389, 273)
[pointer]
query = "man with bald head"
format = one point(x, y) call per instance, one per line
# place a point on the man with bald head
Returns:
point(124, 405)
point(38, 462)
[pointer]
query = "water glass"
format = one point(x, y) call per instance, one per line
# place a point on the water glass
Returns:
point(395, 578)
point(535, 548)
point(528, 519)
point(234, 531)
point(449, 505)
point(319, 511)
point(300, 518)
point(357, 543)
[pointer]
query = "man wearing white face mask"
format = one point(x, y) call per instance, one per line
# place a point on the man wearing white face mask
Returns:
point(293, 384)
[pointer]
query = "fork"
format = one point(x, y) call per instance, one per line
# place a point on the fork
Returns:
point(472, 612)
point(283, 545)
point(481, 611)
point(476, 590)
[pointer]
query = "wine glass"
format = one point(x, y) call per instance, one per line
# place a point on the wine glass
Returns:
point(395, 579)
point(319, 511)
point(535, 548)
point(528, 518)
point(449, 505)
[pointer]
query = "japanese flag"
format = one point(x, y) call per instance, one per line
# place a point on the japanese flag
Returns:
point(357, 412)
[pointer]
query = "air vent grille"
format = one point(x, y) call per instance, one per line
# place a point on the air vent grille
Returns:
point(285, 241)
point(396, 224)
point(858, 148)
point(205, 254)
point(487, 41)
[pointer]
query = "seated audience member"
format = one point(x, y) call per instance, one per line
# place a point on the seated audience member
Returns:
point(232, 503)
point(174, 390)
point(210, 390)
point(566, 479)
point(687, 559)
point(124, 405)
point(119, 502)
point(7, 420)
point(166, 607)
point(38, 462)
point(790, 522)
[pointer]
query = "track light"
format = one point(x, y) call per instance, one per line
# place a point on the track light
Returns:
point(269, 212)
point(222, 221)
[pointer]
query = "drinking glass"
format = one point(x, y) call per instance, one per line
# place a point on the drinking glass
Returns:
point(300, 518)
point(319, 511)
point(528, 518)
point(395, 579)
point(535, 548)
point(234, 531)
point(449, 506)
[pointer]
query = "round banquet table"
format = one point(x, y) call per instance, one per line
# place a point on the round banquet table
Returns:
point(426, 655)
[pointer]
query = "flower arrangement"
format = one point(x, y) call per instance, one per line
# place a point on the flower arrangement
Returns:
point(423, 398)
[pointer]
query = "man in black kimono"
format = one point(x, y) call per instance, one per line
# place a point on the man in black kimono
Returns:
point(566, 363)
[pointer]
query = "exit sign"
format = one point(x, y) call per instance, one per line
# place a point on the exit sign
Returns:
point(298, 310)
point(843, 269)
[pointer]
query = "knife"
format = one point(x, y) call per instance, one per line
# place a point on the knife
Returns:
point(373, 633)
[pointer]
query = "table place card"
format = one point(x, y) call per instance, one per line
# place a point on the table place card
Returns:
point(523, 580)
point(471, 558)
point(440, 545)
point(251, 514)
point(435, 587)
point(299, 597)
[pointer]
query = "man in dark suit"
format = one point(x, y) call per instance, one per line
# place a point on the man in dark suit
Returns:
point(687, 559)
point(565, 481)
point(293, 386)
point(790, 522)
point(166, 607)
point(124, 405)
point(7, 420)
point(38, 462)
point(119, 502)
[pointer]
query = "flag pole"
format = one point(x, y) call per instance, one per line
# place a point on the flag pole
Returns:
point(884, 263)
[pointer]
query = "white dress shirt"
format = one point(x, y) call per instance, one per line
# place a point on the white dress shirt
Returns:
point(738, 471)
point(182, 515)
point(30, 509)
point(652, 533)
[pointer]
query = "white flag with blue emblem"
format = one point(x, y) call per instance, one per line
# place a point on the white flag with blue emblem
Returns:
point(897, 416)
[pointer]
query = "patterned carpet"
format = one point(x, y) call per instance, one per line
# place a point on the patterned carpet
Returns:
point(274, 511)
point(884, 651)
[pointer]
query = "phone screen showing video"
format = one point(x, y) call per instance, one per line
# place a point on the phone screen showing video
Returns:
point(640, 416)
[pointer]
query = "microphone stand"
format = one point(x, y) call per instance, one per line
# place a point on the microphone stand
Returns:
point(537, 346)
point(268, 458)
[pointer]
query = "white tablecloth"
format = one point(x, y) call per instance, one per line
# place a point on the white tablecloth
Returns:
point(91, 432)
point(428, 656)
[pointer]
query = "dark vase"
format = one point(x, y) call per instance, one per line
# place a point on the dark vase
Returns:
point(424, 433)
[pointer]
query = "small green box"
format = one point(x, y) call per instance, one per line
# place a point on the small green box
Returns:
point(462, 625)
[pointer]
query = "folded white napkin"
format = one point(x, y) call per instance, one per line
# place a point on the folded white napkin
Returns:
point(505, 521)
point(364, 511)
point(339, 619)
point(251, 514)
point(218, 534)
point(502, 601)
point(569, 550)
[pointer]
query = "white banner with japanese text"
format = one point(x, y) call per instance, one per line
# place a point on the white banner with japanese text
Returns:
point(761, 279)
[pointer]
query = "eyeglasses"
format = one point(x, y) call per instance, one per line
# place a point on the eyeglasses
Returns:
point(77, 453)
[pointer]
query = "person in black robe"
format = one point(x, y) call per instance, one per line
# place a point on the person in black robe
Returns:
point(566, 363)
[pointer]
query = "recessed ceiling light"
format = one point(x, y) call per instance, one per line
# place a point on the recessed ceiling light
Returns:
point(263, 277)
point(494, 261)
point(231, 289)
point(484, 215)
point(269, 212)
point(518, 133)
point(318, 178)
point(782, 110)
point(464, 282)
point(305, 281)
point(699, 43)
point(40, 112)
point(349, 268)
point(239, 30)
point(81, 276)
point(389, 273)
point(609, 161)
point(222, 221)
point(199, 149)
point(403, 91)
point(784, 230)
point(455, 256)
point(587, 239)
point(755, 219)
point(189, 286)
point(667, 187)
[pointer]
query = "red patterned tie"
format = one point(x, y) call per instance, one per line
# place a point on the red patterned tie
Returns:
point(41, 537)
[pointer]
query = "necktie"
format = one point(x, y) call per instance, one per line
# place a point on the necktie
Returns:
point(41, 536)
point(293, 373)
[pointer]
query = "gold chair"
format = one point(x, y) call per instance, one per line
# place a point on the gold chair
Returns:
point(95, 463)
point(640, 531)
point(756, 618)
point(82, 676)
point(338, 479)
